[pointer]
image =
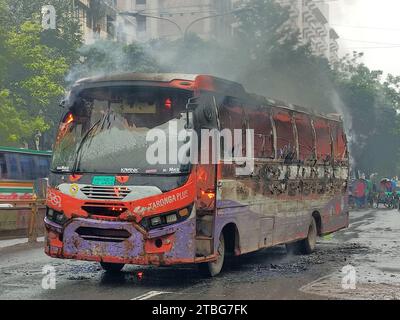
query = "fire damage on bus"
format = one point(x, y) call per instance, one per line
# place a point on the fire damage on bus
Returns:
point(106, 203)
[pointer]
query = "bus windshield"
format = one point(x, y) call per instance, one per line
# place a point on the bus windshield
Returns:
point(106, 129)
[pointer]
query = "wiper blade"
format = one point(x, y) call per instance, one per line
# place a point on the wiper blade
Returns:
point(81, 143)
point(78, 151)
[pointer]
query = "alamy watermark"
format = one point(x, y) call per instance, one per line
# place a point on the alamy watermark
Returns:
point(184, 146)
point(349, 280)
point(49, 279)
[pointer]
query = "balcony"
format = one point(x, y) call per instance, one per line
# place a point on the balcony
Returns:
point(294, 12)
point(308, 33)
point(322, 32)
point(333, 45)
point(310, 4)
point(308, 16)
point(333, 34)
point(320, 16)
point(84, 2)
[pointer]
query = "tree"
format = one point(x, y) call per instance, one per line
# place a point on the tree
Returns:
point(33, 67)
point(32, 79)
point(17, 127)
point(37, 72)
point(371, 105)
point(67, 37)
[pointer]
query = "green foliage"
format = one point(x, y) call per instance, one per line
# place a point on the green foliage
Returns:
point(43, 69)
point(66, 39)
point(264, 54)
point(33, 66)
point(17, 126)
point(372, 105)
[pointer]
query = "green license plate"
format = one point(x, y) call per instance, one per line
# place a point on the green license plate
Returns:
point(103, 181)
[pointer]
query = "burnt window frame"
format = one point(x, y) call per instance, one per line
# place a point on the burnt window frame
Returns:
point(329, 131)
point(313, 153)
point(290, 113)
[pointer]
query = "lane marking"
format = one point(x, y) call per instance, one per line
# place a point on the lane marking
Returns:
point(308, 286)
point(14, 242)
point(150, 294)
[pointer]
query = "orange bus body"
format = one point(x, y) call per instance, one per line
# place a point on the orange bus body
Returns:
point(301, 173)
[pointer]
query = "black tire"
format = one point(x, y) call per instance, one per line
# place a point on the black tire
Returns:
point(306, 246)
point(293, 248)
point(212, 269)
point(112, 267)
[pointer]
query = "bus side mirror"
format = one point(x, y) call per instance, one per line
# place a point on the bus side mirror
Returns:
point(191, 106)
point(40, 188)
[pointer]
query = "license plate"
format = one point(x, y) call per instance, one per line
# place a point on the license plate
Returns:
point(103, 181)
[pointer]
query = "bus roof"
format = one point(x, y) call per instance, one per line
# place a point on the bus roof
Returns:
point(25, 151)
point(202, 82)
point(132, 76)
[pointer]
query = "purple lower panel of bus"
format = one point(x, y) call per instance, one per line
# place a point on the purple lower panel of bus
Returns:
point(258, 228)
point(102, 238)
point(88, 239)
point(184, 243)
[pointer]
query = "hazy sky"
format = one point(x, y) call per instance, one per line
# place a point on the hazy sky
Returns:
point(374, 24)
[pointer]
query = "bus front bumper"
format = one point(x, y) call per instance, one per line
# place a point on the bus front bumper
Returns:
point(121, 242)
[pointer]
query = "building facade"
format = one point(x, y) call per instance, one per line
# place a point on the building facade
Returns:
point(172, 19)
point(97, 18)
point(311, 19)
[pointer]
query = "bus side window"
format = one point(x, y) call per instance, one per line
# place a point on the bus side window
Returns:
point(260, 122)
point(339, 142)
point(12, 160)
point(306, 137)
point(43, 164)
point(27, 167)
point(3, 167)
point(324, 145)
point(286, 144)
point(231, 117)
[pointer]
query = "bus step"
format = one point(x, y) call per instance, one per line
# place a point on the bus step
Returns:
point(205, 214)
point(204, 238)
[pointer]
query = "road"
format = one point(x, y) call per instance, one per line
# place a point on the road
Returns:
point(371, 246)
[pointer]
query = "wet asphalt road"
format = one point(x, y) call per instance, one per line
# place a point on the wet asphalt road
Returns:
point(371, 245)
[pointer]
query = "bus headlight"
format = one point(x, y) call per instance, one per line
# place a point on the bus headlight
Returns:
point(56, 217)
point(167, 219)
point(50, 214)
point(172, 218)
point(156, 221)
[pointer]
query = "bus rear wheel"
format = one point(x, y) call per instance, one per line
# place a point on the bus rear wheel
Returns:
point(306, 246)
point(112, 267)
point(212, 269)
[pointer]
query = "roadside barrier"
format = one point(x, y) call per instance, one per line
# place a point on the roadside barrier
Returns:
point(21, 218)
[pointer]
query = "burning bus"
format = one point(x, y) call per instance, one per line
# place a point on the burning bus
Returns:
point(107, 203)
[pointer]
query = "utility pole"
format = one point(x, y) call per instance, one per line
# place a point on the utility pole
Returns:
point(139, 13)
point(182, 32)
point(210, 17)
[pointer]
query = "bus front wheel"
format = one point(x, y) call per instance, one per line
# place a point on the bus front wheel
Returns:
point(112, 267)
point(306, 246)
point(212, 269)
